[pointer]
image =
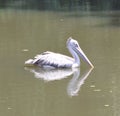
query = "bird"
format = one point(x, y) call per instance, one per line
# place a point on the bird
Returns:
point(51, 60)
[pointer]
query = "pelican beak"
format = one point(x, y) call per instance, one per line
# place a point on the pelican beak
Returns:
point(84, 57)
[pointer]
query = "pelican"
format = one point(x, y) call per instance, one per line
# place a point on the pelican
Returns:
point(55, 60)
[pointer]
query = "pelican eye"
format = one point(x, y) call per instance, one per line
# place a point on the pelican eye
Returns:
point(76, 45)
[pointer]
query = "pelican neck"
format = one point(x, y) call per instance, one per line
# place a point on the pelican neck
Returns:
point(75, 56)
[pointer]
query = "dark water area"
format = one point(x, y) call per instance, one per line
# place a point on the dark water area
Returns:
point(62, 5)
point(34, 92)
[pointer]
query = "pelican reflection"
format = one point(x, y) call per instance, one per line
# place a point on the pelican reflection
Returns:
point(74, 84)
point(77, 81)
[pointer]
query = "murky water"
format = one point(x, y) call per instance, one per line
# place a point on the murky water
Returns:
point(26, 92)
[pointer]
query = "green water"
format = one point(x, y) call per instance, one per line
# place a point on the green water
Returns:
point(23, 34)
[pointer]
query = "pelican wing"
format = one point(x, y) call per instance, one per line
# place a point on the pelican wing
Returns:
point(53, 59)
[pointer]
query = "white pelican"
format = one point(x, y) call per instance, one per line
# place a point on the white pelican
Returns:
point(56, 60)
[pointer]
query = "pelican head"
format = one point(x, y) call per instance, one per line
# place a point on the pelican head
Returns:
point(75, 50)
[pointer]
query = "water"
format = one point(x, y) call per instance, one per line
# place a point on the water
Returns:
point(23, 34)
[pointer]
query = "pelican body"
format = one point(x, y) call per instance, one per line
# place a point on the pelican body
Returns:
point(55, 60)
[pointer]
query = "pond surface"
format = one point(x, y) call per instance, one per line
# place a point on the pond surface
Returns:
point(24, 92)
